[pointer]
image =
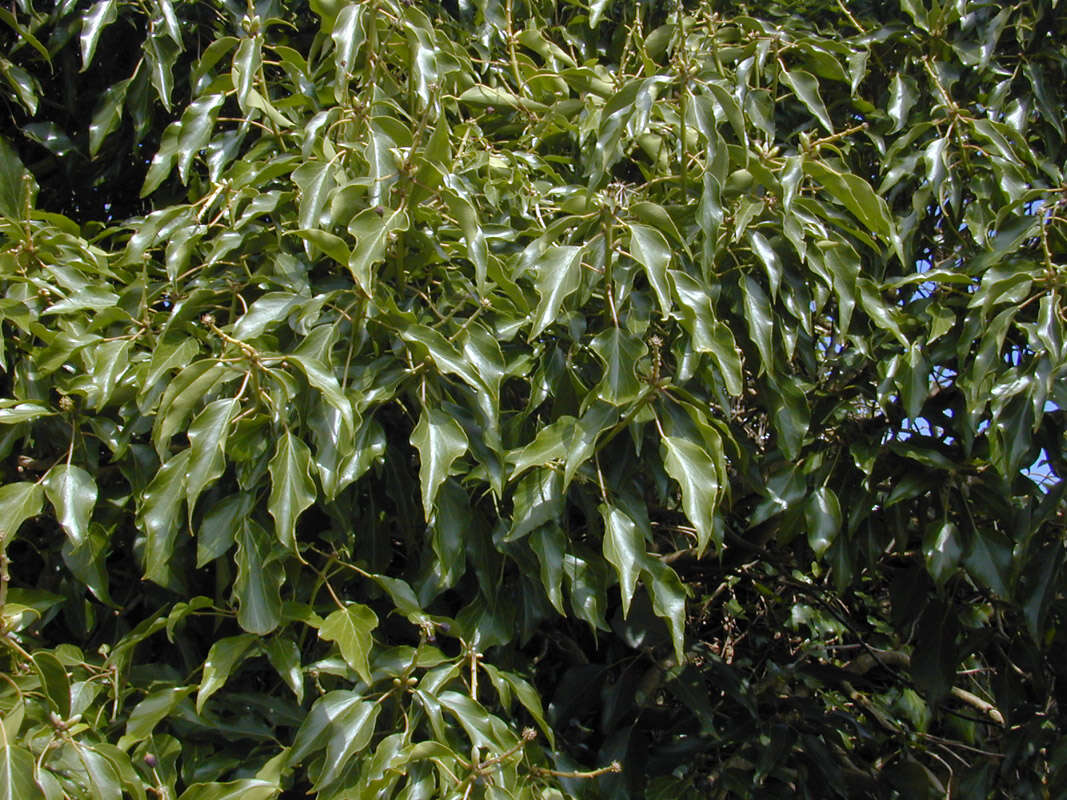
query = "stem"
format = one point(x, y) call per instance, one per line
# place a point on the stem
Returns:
point(614, 766)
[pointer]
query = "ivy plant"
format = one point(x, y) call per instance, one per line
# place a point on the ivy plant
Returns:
point(518, 399)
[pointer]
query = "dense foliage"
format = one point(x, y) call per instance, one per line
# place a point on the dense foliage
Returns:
point(528, 399)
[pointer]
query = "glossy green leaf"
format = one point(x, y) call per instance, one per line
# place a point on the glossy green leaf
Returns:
point(149, 712)
point(351, 732)
point(18, 502)
point(317, 726)
point(160, 54)
point(348, 37)
point(902, 97)
point(624, 547)
point(538, 499)
point(17, 774)
point(284, 656)
point(549, 544)
point(989, 560)
point(72, 492)
point(108, 114)
point(440, 440)
point(350, 628)
point(219, 526)
point(94, 21)
point(242, 789)
point(292, 490)
point(222, 658)
point(373, 232)
point(315, 180)
point(185, 393)
point(943, 549)
point(855, 194)
point(806, 87)
point(620, 353)
point(247, 61)
point(688, 463)
point(649, 247)
point(482, 728)
point(160, 516)
point(197, 125)
point(12, 177)
point(558, 276)
point(822, 515)
point(668, 602)
point(207, 441)
point(55, 683)
point(759, 319)
point(257, 587)
point(102, 776)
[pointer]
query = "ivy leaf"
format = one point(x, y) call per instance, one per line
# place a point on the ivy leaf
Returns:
point(690, 465)
point(350, 628)
point(94, 21)
point(159, 516)
point(247, 61)
point(558, 276)
point(668, 601)
point(292, 490)
point(649, 248)
point(72, 492)
point(284, 656)
point(822, 514)
point(257, 587)
point(207, 442)
point(317, 725)
point(222, 658)
point(55, 683)
point(153, 709)
point(806, 87)
point(440, 440)
point(624, 547)
point(18, 502)
point(620, 353)
point(315, 179)
point(373, 231)
point(351, 732)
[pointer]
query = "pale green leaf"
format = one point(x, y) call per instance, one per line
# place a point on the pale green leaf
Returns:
point(18, 502)
point(350, 628)
point(17, 774)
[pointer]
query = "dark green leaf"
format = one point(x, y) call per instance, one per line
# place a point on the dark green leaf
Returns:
point(257, 587)
point(222, 658)
point(292, 490)
point(440, 440)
